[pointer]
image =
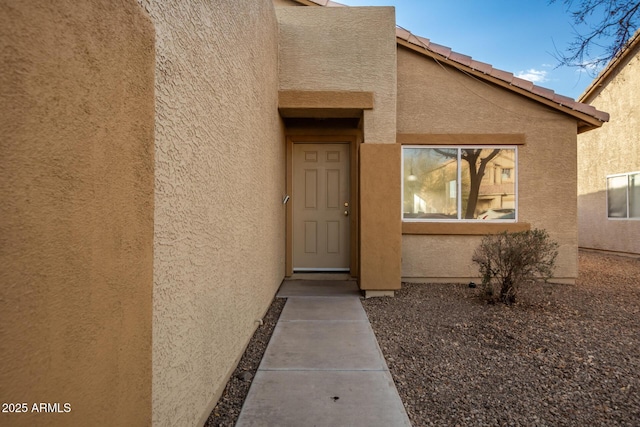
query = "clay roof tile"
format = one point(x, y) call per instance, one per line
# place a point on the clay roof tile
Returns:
point(542, 91)
point(522, 83)
point(414, 40)
point(563, 100)
point(585, 108)
point(424, 41)
point(483, 67)
point(502, 75)
point(460, 58)
point(403, 34)
point(470, 63)
point(439, 49)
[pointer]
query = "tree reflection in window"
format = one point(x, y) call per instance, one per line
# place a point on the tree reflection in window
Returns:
point(459, 183)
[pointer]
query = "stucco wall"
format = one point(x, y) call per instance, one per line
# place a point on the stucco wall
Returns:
point(76, 211)
point(343, 48)
point(612, 149)
point(219, 219)
point(435, 99)
point(380, 227)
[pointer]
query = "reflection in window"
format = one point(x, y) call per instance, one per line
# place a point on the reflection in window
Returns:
point(443, 183)
point(617, 196)
point(623, 195)
point(634, 195)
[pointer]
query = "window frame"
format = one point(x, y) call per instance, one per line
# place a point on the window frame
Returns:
point(627, 201)
point(459, 149)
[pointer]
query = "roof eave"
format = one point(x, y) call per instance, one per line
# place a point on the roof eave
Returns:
point(465, 63)
point(586, 122)
point(598, 82)
point(327, 3)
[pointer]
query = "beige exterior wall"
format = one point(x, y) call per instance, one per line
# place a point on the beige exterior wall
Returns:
point(435, 99)
point(343, 49)
point(219, 219)
point(134, 315)
point(380, 226)
point(76, 211)
point(612, 149)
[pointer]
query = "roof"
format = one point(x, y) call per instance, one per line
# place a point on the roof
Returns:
point(613, 65)
point(327, 3)
point(588, 116)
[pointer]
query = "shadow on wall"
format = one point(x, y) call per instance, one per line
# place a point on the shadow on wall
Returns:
point(597, 231)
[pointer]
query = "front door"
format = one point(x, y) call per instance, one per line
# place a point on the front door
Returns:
point(321, 207)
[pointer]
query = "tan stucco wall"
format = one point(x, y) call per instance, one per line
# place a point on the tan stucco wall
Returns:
point(343, 49)
point(219, 220)
point(380, 226)
point(76, 211)
point(612, 149)
point(435, 99)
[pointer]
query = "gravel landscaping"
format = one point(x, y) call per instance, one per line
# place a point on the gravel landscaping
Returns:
point(563, 355)
point(227, 409)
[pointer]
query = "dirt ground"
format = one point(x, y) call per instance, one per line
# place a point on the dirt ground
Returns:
point(564, 355)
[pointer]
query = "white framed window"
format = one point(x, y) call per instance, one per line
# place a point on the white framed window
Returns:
point(623, 196)
point(465, 183)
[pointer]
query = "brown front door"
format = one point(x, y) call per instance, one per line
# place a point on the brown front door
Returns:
point(321, 207)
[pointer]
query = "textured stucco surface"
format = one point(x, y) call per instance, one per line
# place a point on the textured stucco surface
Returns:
point(219, 219)
point(343, 48)
point(76, 210)
point(380, 226)
point(435, 99)
point(612, 149)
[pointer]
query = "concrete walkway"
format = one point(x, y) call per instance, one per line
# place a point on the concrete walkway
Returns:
point(323, 365)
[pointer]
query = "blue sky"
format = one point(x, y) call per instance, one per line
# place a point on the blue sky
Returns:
point(519, 36)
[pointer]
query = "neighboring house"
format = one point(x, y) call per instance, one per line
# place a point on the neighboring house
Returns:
point(164, 167)
point(431, 191)
point(609, 159)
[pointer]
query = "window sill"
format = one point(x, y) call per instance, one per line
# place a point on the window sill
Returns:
point(462, 228)
point(633, 218)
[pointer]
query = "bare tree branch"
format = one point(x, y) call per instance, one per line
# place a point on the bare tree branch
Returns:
point(617, 20)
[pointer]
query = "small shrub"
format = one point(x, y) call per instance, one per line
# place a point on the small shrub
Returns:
point(508, 261)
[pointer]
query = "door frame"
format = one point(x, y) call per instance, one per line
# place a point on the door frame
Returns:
point(352, 140)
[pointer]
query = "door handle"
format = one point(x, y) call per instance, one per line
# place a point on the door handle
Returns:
point(346, 213)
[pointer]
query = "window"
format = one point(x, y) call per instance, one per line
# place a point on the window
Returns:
point(623, 196)
point(462, 183)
